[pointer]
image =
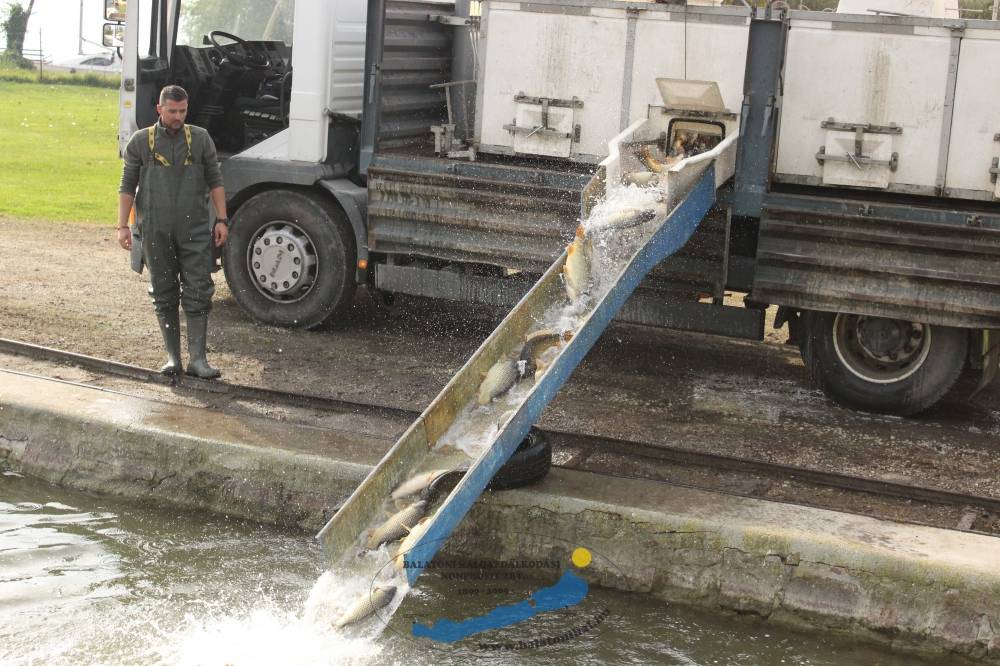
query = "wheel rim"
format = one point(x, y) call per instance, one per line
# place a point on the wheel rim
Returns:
point(880, 350)
point(282, 262)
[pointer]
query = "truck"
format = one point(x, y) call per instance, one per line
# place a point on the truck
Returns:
point(443, 149)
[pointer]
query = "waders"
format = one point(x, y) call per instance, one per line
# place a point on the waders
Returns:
point(172, 214)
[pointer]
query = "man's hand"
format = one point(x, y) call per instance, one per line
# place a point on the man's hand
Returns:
point(220, 233)
point(125, 238)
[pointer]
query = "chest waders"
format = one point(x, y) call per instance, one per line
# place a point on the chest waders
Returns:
point(172, 211)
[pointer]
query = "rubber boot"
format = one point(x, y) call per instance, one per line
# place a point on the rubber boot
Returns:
point(170, 329)
point(197, 338)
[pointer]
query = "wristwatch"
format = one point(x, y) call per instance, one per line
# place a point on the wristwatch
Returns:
point(222, 220)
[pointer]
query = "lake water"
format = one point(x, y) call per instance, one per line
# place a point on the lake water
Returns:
point(98, 580)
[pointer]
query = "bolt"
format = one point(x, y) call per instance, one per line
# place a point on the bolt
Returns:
point(263, 278)
point(274, 285)
point(285, 285)
point(267, 241)
point(296, 261)
point(278, 241)
point(295, 275)
point(256, 265)
point(256, 250)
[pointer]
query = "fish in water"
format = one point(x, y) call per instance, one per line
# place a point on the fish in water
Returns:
point(626, 219)
point(653, 164)
point(366, 606)
point(416, 483)
point(397, 525)
point(409, 542)
point(576, 271)
point(537, 342)
point(641, 178)
point(500, 379)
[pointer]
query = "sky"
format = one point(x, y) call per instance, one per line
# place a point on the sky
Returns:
point(59, 22)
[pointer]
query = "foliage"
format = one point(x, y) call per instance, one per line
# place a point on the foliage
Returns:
point(249, 19)
point(60, 152)
point(14, 27)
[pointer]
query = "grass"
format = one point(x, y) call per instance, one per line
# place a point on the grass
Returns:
point(19, 75)
point(59, 157)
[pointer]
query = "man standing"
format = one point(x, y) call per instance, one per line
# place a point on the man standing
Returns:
point(175, 168)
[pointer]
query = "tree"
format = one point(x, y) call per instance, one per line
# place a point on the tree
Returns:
point(14, 27)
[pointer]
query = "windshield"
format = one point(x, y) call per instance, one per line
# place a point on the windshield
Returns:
point(254, 20)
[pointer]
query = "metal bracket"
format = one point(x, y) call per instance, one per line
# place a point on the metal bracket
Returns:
point(448, 19)
point(858, 160)
point(831, 124)
point(995, 169)
point(514, 128)
point(574, 103)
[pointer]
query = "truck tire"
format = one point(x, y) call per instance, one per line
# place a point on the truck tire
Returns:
point(529, 463)
point(290, 259)
point(882, 365)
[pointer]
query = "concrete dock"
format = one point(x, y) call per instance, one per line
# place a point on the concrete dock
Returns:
point(917, 588)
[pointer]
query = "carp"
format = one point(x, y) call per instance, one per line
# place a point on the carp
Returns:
point(576, 270)
point(500, 379)
point(367, 605)
point(653, 164)
point(409, 542)
point(641, 178)
point(537, 342)
point(397, 525)
point(417, 483)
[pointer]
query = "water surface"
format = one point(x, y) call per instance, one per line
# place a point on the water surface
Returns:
point(98, 580)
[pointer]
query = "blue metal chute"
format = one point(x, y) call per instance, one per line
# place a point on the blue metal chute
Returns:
point(691, 189)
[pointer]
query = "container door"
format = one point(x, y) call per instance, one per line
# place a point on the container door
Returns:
point(544, 126)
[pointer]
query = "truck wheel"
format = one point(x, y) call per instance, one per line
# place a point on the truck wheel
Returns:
point(882, 365)
point(529, 463)
point(290, 259)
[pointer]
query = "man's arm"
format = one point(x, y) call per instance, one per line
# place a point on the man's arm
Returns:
point(213, 178)
point(221, 231)
point(125, 202)
point(126, 191)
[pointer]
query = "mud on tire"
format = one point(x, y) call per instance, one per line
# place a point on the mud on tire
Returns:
point(321, 227)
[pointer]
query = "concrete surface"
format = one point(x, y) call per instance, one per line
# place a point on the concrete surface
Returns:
point(917, 588)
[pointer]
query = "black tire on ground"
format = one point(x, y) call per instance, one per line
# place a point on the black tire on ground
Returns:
point(528, 464)
point(320, 228)
point(882, 365)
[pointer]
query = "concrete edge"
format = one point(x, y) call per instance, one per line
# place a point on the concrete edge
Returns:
point(920, 589)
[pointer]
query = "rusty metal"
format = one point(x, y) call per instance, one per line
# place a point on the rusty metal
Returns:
point(512, 216)
point(863, 263)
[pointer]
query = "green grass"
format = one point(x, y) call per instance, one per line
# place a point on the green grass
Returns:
point(20, 75)
point(59, 152)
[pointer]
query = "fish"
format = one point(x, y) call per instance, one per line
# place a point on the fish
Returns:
point(653, 164)
point(366, 606)
point(534, 344)
point(409, 542)
point(626, 219)
point(641, 178)
point(397, 525)
point(576, 270)
point(416, 483)
point(500, 379)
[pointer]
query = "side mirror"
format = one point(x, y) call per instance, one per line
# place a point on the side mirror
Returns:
point(114, 10)
point(114, 35)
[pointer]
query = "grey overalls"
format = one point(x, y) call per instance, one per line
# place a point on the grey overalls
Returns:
point(173, 224)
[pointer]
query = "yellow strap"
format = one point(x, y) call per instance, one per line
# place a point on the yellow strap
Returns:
point(151, 133)
point(187, 138)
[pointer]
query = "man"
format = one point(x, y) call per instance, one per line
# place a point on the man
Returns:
point(175, 169)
